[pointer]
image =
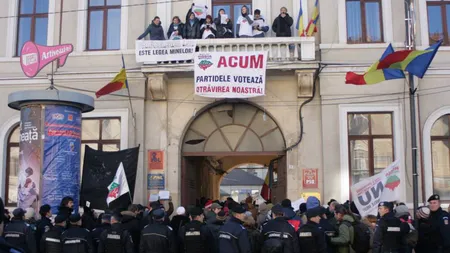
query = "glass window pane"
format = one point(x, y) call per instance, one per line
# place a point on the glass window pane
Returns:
point(24, 33)
point(110, 129)
point(440, 127)
point(26, 6)
point(96, 2)
point(435, 24)
point(96, 30)
point(110, 147)
point(90, 130)
point(441, 168)
point(13, 178)
point(381, 124)
point(15, 136)
point(382, 154)
point(40, 33)
point(113, 2)
point(354, 23)
point(227, 9)
point(373, 22)
point(113, 28)
point(41, 6)
point(358, 124)
point(359, 160)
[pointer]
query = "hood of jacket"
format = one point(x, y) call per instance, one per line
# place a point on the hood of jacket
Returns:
point(127, 216)
point(349, 218)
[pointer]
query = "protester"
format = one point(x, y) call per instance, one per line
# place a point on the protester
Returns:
point(19, 234)
point(214, 227)
point(259, 25)
point(208, 29)
point(179, 220)
point(282, 24)
point(254, 235)
point(66, 207)
point(88, 219)
point(97, 232)
point(402, 212)
point(244, 24)
point(440, 227)
point(175, 29)
point(251, 207)
point(371, 223)
point(51, 240)
point(262, 214)
point(155, 30)
point(425, 230)
point(233, 237)
point(224, 27)
point(76, 239)
point(44, 224)
point(157, 237)
point(290, 215)
point(345, 232)
point(191, 29)
point(311, 237)
point(115, 238)
point(132, 223)
point(195, 237)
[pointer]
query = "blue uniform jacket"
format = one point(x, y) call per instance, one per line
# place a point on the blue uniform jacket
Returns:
point(233, 237)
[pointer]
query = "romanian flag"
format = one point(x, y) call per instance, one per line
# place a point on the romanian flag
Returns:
point(119, 82)
point(312, 28)
point(373, 74)
point(265, 191)
point(300, 27)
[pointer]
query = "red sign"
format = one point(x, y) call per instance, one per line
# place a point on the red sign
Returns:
point(155, 160)
point(310, 178)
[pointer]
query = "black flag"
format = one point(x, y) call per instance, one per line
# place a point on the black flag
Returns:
point(99, 169)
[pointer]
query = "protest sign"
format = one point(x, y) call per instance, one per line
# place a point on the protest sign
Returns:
point(199, 11)
point(230, 74)
point(388, 185)
point(164, 50)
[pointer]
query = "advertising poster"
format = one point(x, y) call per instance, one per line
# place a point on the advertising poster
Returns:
point(155, 160)
point(164, 50)
point(155, 182)
point(310, 178)
point(30, 160)
point(230, 74)
point(61, 166)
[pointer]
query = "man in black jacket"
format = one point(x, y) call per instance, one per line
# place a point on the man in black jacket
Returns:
point(115, 239)
point(51, 240)
point(440, 226)
point(233, 237)
point(157, 237)
point(311, 238)
point(282, 24)
point(44, 224)
point(132, 223)
point(191, 29)
point(155, 30)
point(195, 237)
point(279, 234)
point(96, 232)
point(76, 239)
point(19, 234)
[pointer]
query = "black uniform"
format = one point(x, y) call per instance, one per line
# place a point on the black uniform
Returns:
point(19, 234)
point(233, 237)
point(329, 231)
point(76, 240)
point(51, 240)
point(115, 240)
point(132, 223)
point(42, 226)
point(440, 232)
point(195, 237)
point(278, 232)
point(8, 248)
point(389, 234)
point(312, 239)
point(157, 238)
point(96, 232)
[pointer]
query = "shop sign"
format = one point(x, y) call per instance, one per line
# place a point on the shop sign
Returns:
point(164, 50)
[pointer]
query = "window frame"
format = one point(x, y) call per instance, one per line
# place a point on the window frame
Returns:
point(439, 138)
point(364, 22)
point(33, 17)
point(9, 145)
point(442, 4)
point(101, 142)
point(104, 8)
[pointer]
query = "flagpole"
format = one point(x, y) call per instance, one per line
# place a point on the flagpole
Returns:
point(129, 95)
point(410, 37)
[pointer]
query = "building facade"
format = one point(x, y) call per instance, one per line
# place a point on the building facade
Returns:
point(346, 132)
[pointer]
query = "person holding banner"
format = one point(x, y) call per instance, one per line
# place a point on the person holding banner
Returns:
point(191, 29)
point(244, 27)
point(224, 25)
point(175, 29)
point(208, 29)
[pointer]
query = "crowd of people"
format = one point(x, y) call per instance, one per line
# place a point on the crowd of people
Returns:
point(229, 227)
point(247, 26)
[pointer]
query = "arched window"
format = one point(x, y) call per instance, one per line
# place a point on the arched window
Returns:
point(12, 167)
point(440, 151)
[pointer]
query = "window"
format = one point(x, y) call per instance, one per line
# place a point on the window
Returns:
point(438, 24)
point(103, 25)
point(440, 140)
point(232, 9)
point(12, 164)
point(370, 142)
point(364, 21)
point(32, 23)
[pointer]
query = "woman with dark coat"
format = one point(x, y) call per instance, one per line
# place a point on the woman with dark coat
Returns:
point(191, 29)
point(223, 30)
point(175, 29)
point(66, 207)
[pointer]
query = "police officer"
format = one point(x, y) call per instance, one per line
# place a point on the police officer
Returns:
point(195, 236)
point(157, 237)
point(233, 237)
point(440, 227)
point(96, 232)
point(76, 239)
point(311, 238)
point(19, 234)
point(279, 234)
point(44, 224)
point(389, 231)
point(51, 240)
point(327, 228)
point(115, 239)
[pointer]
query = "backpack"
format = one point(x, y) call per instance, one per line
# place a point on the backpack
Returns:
point(361, 237)
point(413, 236)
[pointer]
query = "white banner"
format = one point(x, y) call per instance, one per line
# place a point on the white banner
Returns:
point(388, 185)
point(230, 74)
point(199, 11)
point(164, 50)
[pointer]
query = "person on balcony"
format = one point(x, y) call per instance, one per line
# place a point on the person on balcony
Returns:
point(244, 24)
point(282, 24)
point(191, 29)
point(155, 29)
point(224, 25)
point(259, 25)
point(175, 29)
point(208, 29)
point(201, 21)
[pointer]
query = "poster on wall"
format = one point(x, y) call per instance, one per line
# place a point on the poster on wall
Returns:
point(230, 74)
point(155, 160)
point(30, 160)
point(61, 166)
point(310, 178)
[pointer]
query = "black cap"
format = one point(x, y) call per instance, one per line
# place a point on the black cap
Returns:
point(19, 212)
point(386, 204)
point(75, 218)
point(196, 211)
point(323, 210)
point(238, 209)
point(277, 209)
point(155, 205)
point(60, 218)
point(434, 197)
point(286, 203)
point(314, 212)
point(44, 209)
point(158, 214)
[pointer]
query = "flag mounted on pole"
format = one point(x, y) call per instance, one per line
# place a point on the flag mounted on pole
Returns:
point(265, 191)
point(119, 82)
point(312, 25)
point(300, 26)
point(119, 186)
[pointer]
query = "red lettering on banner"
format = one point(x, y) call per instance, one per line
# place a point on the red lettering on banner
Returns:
point(233, 61)
point(257, 63)
point(244, 62)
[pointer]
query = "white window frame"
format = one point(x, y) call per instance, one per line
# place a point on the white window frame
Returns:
point(7, 127)
point(82, 29)
point(13, 19)
point(397, 127)
point(388, 34)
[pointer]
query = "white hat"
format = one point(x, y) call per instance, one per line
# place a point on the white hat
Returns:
point(181, 210)
point(29, 213)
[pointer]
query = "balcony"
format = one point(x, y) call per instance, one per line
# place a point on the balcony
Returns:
point(283, 53)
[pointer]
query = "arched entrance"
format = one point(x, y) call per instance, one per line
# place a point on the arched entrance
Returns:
point(225, 135)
